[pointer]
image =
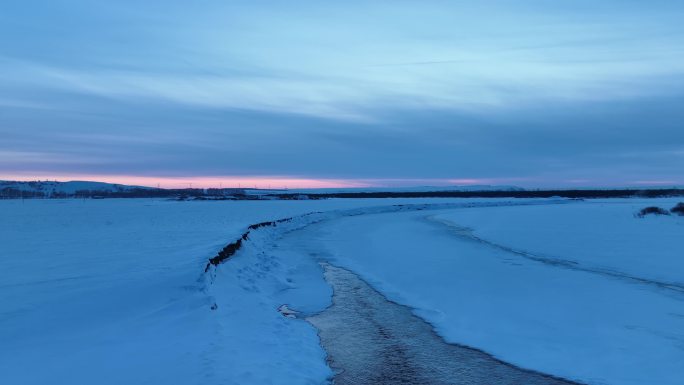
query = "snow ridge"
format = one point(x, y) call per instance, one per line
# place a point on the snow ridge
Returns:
point(559, 262)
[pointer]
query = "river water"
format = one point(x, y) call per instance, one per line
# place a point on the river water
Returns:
point(370, 340)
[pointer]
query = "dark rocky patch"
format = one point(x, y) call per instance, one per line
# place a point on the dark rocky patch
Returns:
point(652, 210)
point(230, 249)
point(678, 209)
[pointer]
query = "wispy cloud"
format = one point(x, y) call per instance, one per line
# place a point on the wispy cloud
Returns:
point(351, 66)
point(479, 85)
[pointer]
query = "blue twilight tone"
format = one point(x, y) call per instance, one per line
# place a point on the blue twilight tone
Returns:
point(530, 92)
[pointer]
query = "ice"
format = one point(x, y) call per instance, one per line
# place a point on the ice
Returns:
point(114, 291)
point(577, 324)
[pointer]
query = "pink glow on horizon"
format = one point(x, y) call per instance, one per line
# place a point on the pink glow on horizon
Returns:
point(293, 182)
point(264, 182)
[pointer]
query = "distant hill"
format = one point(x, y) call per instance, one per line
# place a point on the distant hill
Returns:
point(51, 189)
point(95, 190)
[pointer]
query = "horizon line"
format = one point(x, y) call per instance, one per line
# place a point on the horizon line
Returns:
point(295, 182)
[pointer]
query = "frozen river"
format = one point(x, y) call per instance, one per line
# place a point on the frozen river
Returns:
point(371, 340)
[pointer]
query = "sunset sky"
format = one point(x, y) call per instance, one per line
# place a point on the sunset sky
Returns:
point(357, 93)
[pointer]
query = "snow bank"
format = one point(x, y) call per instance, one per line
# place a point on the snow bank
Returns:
point(585, 326)
point(112, 292)
point(601, 234)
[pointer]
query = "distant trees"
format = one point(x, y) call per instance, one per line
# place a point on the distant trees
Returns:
point(14, 193)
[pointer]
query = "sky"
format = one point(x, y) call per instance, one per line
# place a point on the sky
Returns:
point(533, 93)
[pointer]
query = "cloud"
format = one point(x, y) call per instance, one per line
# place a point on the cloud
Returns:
point(334, 62)
point(357, 91)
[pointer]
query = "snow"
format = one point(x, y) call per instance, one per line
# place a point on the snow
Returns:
point(602, 234)
point(110, 292)
point(257, 343)
point(113, 291)
point(592, 326)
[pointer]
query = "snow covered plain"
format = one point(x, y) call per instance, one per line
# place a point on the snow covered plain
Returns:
point(591, 316)
point(112, 291)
